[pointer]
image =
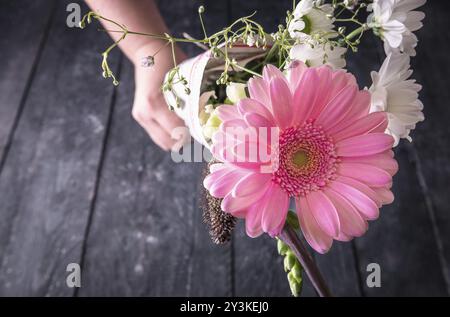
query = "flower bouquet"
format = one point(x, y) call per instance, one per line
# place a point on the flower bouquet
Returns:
point(286, 123)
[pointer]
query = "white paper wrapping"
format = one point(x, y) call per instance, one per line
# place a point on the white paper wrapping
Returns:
point(198, 71)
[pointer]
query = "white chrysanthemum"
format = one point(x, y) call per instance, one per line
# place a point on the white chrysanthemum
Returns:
point(396, 21)
point(311, 17)
point(316, 54)
point(393, 92)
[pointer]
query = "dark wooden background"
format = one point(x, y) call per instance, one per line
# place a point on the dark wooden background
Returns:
point(81, 182)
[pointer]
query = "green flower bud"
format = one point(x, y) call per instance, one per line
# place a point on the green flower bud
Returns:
point(296, 287)
point(297, 271)
point(292, 266)
point(212, 125)
point(289, 261)
point(282, 247)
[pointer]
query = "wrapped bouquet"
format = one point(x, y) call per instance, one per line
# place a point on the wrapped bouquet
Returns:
point(285, 122)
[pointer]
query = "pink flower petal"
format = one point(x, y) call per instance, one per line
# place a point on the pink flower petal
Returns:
point(274, 210)
point(363, 188)
point(241, 214)
point(368, 174)
point(216, 167)
point(232, 204)
point(253, 106)
point(258, 121)
point(352, 224)
point(337, 108)
point(244, 152)
point(340, 80)
point(220, 171)
point(383, 161)
point(324, 212)
point(224, 185)
point(360, 107)
point(385, 195)
point(364, 145)
point(281, 98)
point(253, 222)
point(251, 184)
point(235, 123)
point(219, 137)
point(227, 112)
point(304, 96)
point(316, 237)
point(344, 238)
point(259, 90)
point(295, 74)
point(323, 90)
point(271, 72)
point(366, 206)
point(374, 122)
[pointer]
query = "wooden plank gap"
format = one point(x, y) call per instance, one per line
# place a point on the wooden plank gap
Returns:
point(414, 156)
point(28, 85)
point(357, 265)
point(99, 172)
point(232, 273)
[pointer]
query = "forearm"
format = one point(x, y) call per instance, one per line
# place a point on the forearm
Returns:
point(136, 15)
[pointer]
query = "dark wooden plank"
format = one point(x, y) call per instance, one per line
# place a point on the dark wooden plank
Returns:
point(20, 43)
point(430, 149)
point(147, 237)
point(48, 179)
point(402, 240)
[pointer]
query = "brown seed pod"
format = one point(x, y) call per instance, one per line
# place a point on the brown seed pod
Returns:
point(220, 224)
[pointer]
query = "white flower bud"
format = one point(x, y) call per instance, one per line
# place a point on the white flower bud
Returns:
point(251, 40)
point(351, 4)
point(148, 61)
point(236, 92)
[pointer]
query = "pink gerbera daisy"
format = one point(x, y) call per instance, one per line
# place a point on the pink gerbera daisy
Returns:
point(333, 157)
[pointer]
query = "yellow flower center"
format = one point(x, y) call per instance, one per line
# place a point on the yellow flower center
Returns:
point(300, 158)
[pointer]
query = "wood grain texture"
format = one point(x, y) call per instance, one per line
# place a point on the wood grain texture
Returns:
point(402, 240)
point(47, 182)
point(147, 237)
point(21, 44)
point(82, 182)
point(430, 150)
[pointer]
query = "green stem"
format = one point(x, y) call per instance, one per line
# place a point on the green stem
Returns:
point(247, 70)
point(290, 237)
point(355, 33)
point(200, 12)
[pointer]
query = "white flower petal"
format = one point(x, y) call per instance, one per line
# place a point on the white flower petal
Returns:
point(397, 95)
point(396, 21)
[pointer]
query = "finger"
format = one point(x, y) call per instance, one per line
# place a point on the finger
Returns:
point(165, 117)
point(159, 135)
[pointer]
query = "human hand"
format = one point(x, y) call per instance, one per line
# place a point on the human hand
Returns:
point(150, 109)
